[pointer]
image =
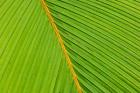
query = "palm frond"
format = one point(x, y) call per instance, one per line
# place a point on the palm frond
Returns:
point(103, 41)
point(102, 38)
point(31, 58)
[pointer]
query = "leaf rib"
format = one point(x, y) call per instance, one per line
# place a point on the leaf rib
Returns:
point(51, 20)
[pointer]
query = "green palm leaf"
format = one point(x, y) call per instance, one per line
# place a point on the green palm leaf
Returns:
point(102, 38)
point(103, 41)
point(31, 58)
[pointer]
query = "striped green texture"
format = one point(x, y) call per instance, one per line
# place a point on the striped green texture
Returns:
point(103, 41)
point(31, 58)
point(102, 38)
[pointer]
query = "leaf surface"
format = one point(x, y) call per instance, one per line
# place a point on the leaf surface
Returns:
point(31, 58)
point(103, 41)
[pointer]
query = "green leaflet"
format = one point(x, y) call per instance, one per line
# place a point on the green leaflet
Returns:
point(103, 41)
point(31, 58)
point(102, 38)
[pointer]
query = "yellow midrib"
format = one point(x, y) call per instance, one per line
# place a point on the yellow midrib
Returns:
point(48, 13)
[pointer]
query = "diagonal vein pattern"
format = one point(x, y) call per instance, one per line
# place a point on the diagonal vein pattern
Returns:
point(31, 58)
point(102, 38)
point(62, 45)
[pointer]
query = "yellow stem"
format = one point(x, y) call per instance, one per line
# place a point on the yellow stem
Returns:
point(44, 4)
